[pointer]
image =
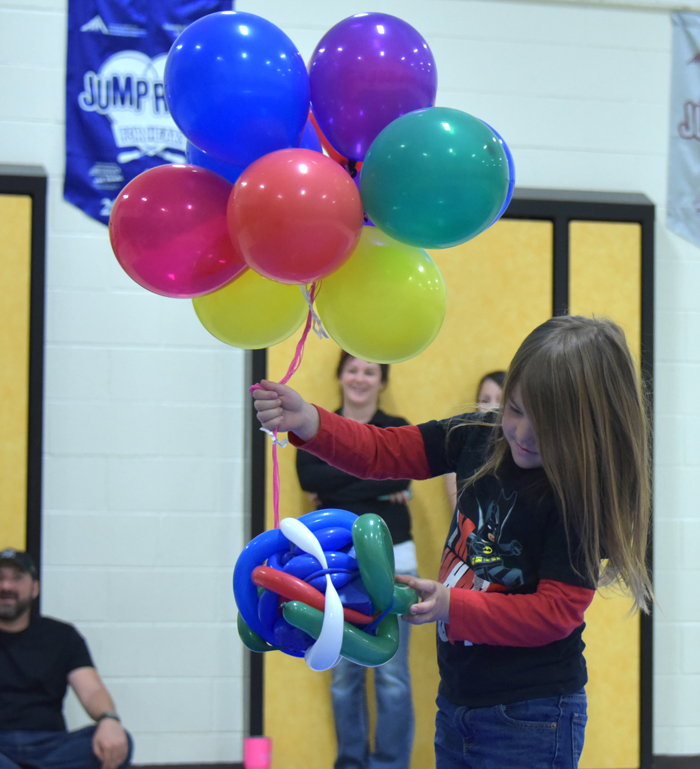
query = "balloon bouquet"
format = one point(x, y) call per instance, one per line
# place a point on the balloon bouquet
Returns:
point(334, 179)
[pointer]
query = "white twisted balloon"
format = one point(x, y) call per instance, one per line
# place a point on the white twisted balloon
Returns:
point(325, 653)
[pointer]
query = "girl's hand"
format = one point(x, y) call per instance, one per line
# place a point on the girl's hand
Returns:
point(281, 408)
point(435, 600)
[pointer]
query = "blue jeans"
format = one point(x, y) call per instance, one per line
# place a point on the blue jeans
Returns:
point(52, 750)
point(538, 734)
point(395, 722)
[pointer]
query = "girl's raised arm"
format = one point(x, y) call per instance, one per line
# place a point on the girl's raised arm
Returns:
point(281, 408)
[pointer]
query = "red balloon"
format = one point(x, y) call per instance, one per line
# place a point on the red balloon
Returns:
point(296, 215)
point(294, 589)
point(168, 230)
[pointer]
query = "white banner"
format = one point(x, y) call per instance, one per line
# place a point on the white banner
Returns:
point(684, 144)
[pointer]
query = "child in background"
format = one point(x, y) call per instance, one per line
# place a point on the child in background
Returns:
point(488, 398)
point(555, 484)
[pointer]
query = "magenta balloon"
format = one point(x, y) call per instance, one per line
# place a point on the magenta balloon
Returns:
point(367, 71)
point(169, 232)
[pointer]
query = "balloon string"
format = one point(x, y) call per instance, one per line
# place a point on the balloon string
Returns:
point(275, 482)
point(312, 320)
point(310, 295)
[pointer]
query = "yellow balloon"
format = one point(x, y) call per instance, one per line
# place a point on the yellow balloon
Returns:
point(387, 303)
point(252, 312)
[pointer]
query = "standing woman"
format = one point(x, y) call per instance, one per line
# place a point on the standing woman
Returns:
point(361, 382)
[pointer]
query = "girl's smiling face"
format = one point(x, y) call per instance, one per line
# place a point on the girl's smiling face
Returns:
point(520, 434)
point(361, 382)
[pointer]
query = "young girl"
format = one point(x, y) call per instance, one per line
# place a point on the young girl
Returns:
point(557, 483)
point(490, 391)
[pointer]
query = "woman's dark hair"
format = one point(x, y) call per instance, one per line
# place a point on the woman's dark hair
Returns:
point(499, 377)
point(345, 356)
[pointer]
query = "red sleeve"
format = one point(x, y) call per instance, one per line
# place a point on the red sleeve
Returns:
point(551, 613)
point(367, 451)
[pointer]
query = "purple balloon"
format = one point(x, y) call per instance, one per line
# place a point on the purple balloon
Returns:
point(367, 71)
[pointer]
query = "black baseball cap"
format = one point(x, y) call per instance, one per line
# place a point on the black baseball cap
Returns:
point(23, 561)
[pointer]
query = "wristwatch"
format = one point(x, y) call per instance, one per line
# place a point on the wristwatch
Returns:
point(108, 714)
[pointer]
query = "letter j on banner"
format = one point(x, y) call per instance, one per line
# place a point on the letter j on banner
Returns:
point(117, 120)
point(684, 144)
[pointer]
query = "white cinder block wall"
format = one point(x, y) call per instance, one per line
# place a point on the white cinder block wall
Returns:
point(144, 453)
point(143, 477)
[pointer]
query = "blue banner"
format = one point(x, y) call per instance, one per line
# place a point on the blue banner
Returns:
point(117, 121)
point(684, 141)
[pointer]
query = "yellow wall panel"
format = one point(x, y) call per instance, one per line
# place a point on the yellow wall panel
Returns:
point(499, 288)
point(605, 274)
point(605, 279)
point(15, 271)
point(613, 659)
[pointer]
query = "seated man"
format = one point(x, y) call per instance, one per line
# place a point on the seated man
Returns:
point(39, 657)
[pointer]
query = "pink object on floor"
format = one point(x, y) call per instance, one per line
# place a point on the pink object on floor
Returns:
point(257, 752)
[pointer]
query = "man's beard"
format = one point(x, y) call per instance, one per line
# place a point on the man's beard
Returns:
point(10, 612)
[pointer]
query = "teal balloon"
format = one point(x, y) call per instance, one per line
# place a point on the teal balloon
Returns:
point(359, 647)
point(404, 598)
point(435, 178)
point(252, 640)
point(375, 559)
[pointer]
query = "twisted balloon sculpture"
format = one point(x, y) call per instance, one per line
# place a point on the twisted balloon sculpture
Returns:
point(327, 590)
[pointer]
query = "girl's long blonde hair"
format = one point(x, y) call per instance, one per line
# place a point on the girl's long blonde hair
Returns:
point(580, 389)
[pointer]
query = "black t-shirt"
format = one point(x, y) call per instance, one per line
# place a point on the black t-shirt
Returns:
point(336, 488)
point(34, 668)
point(506, 535)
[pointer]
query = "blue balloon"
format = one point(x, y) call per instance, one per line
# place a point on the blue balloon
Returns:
point(237, 87)
point(354, 596)
point(511, 172)
point(292, 640)
point(255, 553)
point(334, 537)
point(196, 157)
point(268, 607)
point(309, 139)
point(264, 546)
point(305, 566)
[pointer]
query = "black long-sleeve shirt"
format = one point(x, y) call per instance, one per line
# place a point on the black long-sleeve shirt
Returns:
point(336, 488)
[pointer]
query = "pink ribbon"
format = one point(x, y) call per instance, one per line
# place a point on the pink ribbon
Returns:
point(293, 367)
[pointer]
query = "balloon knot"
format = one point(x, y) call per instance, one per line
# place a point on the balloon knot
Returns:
point(310, 293)
point(275, 439)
